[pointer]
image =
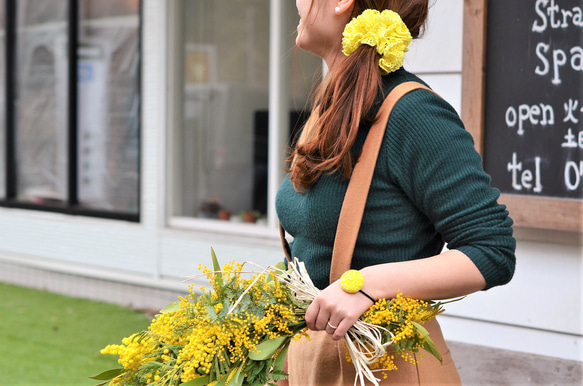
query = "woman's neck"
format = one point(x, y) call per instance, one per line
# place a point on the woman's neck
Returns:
point(334, 58)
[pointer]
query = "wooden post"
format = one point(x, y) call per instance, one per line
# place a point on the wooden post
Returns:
point(474, 71)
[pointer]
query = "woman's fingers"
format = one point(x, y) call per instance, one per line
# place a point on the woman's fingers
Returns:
point(335, 311)
point(342, 328)
point(332, 326)
point(313, 315)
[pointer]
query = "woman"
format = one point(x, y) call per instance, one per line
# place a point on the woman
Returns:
point(428, 188)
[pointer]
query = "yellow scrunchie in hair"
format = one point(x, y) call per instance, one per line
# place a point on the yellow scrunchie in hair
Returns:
point(383, 30)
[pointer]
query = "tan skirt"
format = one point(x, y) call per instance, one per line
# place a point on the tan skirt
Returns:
point(322, 361)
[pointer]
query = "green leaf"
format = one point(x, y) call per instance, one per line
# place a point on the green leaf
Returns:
point(170, 307)
point(108, 374)
point(200, 381)
point(267, 348)
point(257, 368)
point(277, 375)
point(222, 381)
point(211, 311)
point(281, 265)
point(234, 375)
point(428, 344)
point(245, 303)
point(280, 359)
point(421, 329)
point(430, 347)
point(223, 311)
point(150, 366)
point(217, 368)
point(239, 376)
point(139, 337)
point(217, 269)
point(442, 303)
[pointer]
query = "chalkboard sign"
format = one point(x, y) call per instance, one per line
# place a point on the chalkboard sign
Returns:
point(533, 129)
point(523, 66)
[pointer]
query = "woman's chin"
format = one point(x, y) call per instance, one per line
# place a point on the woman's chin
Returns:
point(301, 43)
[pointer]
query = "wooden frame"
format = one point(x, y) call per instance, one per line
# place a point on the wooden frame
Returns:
point(526, 211)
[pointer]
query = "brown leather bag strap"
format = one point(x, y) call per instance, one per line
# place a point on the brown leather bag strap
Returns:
point(285, 244)
point(360, 180)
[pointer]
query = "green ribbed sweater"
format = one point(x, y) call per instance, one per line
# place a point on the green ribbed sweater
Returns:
point(428, 187)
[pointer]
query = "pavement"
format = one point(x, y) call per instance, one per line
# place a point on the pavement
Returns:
point(477, 365)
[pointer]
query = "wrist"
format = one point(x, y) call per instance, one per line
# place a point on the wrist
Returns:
point(375, 285)
point(353, 282)
point(362, 292)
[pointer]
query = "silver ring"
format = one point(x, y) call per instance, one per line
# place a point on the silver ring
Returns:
point(331, 326)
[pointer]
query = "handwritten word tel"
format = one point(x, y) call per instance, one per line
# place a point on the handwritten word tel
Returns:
point(524, 178)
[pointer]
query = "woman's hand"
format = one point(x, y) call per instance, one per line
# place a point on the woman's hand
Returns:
point(335, 310)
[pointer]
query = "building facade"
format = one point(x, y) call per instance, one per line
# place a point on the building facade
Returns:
point(136, 135)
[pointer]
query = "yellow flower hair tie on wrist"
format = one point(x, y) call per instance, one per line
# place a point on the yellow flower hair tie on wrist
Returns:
point(383, 30)
point(352, 281)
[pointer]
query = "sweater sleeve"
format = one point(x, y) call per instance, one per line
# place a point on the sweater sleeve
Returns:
point(432, 158)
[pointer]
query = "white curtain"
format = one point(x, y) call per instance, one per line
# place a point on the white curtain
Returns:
point(108, 120)
point(41, 102)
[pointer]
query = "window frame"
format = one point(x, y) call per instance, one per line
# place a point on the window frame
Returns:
point(72, 205)
point(278, 126)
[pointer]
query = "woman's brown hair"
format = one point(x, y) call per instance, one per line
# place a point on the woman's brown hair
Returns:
point(343, 99)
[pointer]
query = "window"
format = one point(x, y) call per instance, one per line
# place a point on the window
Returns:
point(224, 55)
point(72, 111)
point(221, 97)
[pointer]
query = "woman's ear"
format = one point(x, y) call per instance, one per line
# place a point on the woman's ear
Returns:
point(342, 6)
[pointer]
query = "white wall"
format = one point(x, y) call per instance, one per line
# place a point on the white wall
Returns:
point(540, 311)
point(437, 55)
